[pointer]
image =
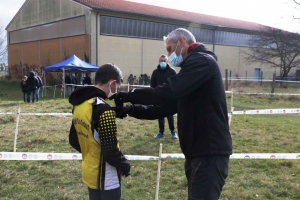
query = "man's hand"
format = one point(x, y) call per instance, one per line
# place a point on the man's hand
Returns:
point(120, 98)
point(125, 174)
point(122, 112)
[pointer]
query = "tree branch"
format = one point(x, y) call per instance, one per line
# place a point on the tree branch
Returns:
point(275, 47)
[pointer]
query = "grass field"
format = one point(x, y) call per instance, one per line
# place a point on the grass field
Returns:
point(248, 179)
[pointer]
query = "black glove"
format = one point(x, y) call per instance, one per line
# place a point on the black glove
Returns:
point(125, 174)
point(120, 98)
point(125, 167)
point(122, 112)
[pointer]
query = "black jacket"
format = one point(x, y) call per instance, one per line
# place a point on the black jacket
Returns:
point(24, 86)
point(87, 80)
point(160, 76)
point(201, 104)
point(31, 82)
point(67, 79)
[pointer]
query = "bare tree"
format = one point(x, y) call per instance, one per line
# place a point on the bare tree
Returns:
point(275, 47)
point(296, 2)
point(3, 47)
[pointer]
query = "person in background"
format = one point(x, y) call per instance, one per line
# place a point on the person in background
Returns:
point(24, 88)
point(81, 79)
point(87, 80)
point(36, 71)
point(141, 79)
point(40, 84)
point(32, 84)
point(202, 114)
point(130, 79)
point(135, 81)
point(73, 82)
point(77, 78)
point(67, 82)
point(146, 79)
point(94, 133)
point(159, 76)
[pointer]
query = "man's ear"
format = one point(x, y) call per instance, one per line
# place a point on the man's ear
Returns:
point(182, 42)
point(112, 82)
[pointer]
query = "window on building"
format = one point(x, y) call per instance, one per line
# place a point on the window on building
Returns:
point(153, 30)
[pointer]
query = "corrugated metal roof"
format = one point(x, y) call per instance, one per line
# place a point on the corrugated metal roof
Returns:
point(166, 13)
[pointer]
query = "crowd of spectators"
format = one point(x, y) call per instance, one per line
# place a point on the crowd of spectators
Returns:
point(143, 79)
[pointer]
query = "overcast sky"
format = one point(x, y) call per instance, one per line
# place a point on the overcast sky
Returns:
point(276, 13)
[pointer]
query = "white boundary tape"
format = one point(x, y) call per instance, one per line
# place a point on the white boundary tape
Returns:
point(258, 80)
point(37, 114)
point(268, 111)
point(247, 156)
point(59, 156)
point(260, 93)
point(263, 111)
point(78, 156)
point(8, 113)
point(48, 114)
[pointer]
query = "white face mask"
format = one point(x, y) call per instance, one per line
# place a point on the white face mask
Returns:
point(112, 93)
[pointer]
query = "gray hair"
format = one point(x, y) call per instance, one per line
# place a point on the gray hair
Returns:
point(180, 33)
point(163, 56)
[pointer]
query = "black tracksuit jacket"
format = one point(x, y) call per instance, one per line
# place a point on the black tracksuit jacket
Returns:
point(160, 76)
point(201, 105)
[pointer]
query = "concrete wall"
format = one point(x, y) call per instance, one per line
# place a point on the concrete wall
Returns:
point(94, 34)
point(136, 56)
point(232, 58)
point(132, 55)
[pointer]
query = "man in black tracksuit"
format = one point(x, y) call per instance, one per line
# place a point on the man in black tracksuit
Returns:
point(158, 77)
point(87, 80)
point(203, 128)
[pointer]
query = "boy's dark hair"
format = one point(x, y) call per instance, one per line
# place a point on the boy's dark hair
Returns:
point(107, 72)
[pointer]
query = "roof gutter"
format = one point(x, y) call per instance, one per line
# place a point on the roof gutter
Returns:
point(81, 4)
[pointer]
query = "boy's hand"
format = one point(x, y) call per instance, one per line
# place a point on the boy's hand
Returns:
point(122, 112)
point(120, 98)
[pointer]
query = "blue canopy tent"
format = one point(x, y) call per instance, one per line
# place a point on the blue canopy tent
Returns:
point(71, 64)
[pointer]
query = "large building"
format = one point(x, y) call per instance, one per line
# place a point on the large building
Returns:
point(125, 33)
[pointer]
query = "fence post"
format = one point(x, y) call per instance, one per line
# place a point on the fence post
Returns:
point(17, 128)
point(261, 78)
point(226, 79)
point(230, 78)
point(273, 82)
point(158, 172)
point(246, 79)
